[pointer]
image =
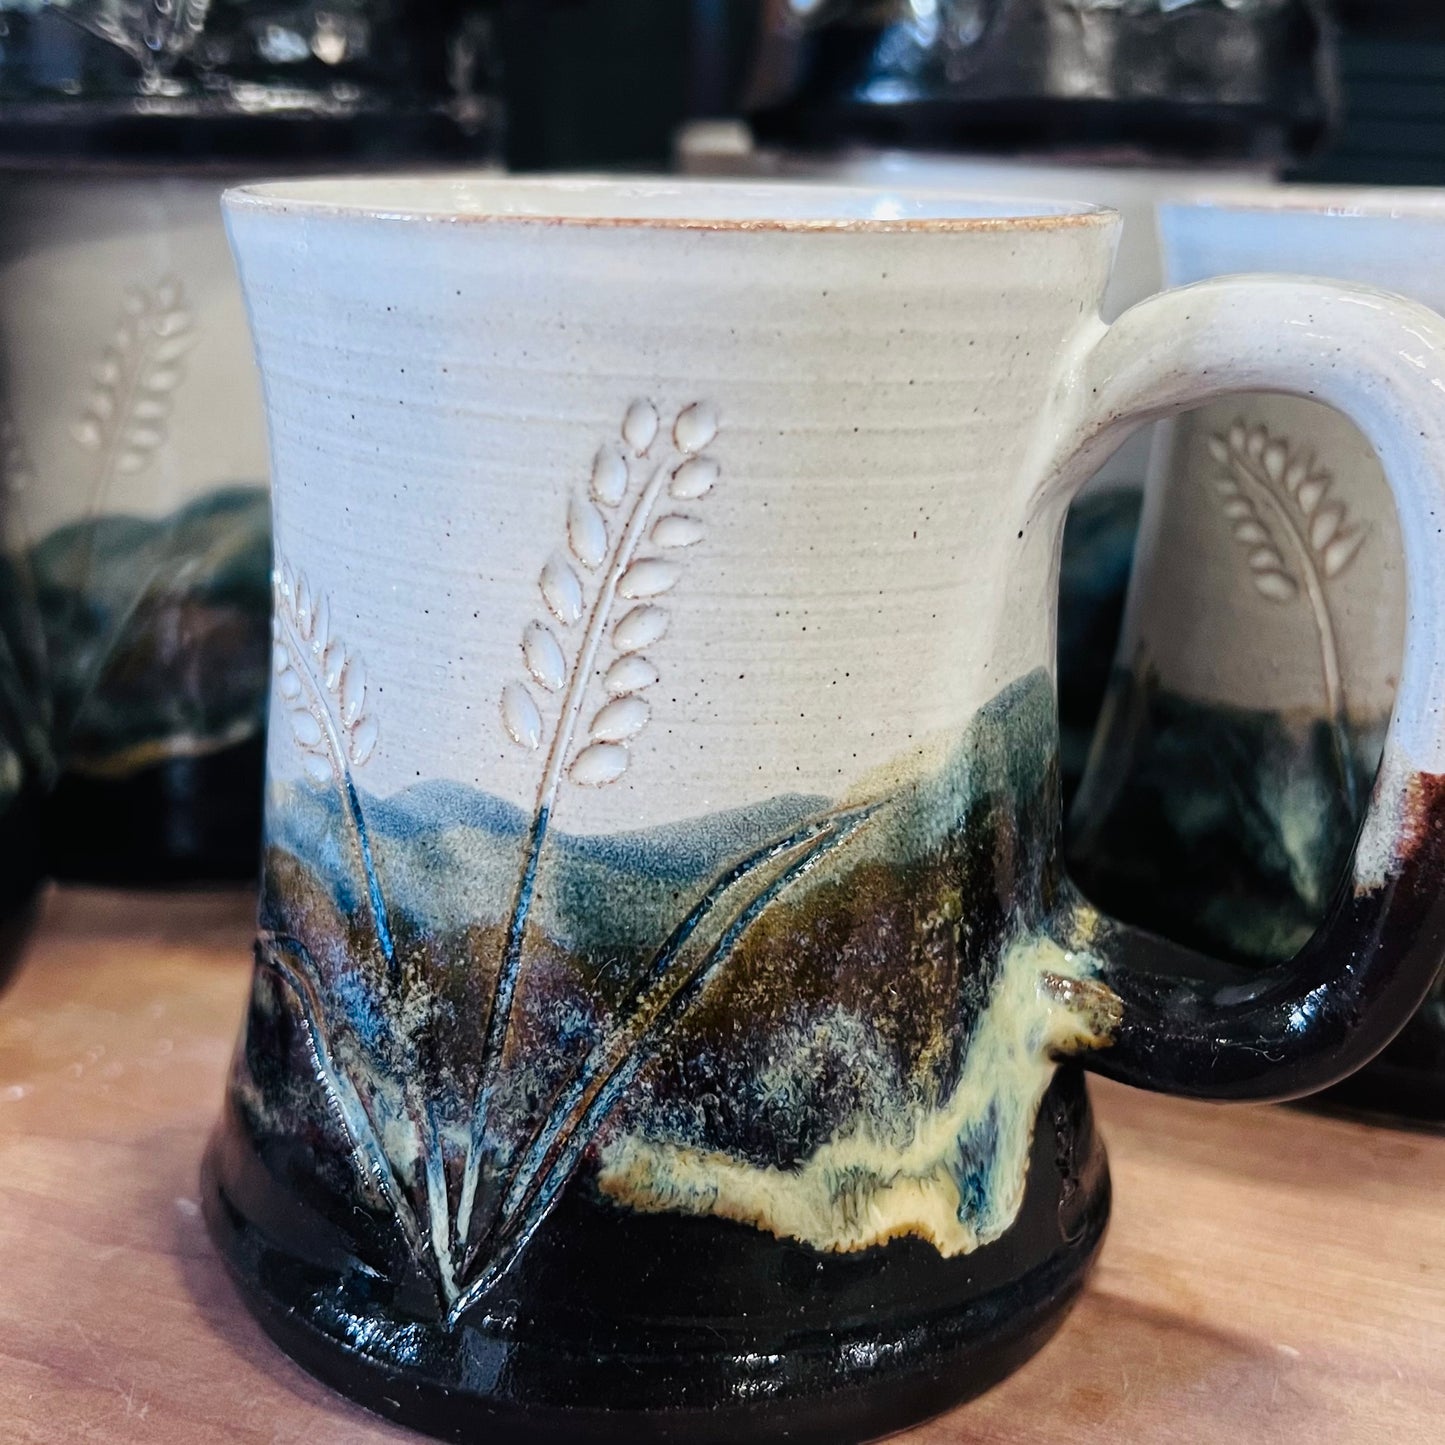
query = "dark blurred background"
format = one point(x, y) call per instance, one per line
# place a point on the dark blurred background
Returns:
point(593, 83)
point(607, 82)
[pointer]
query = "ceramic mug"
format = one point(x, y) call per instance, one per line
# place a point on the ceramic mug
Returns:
point(135, 467)
point(1264, 633)
point(665, 968)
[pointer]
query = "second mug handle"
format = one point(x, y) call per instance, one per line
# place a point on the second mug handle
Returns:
point(1191, 1025)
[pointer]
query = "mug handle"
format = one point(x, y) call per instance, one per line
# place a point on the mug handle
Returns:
point(1189, 1024)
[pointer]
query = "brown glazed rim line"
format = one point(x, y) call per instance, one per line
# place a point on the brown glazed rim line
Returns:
point(272, 197)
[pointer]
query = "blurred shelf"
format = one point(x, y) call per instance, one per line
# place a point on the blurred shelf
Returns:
point(1272, 1276)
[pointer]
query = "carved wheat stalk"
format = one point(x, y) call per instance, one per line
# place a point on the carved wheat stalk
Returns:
point(1263, 481)
point(599, 541)
point(368, 1153)
point(323, 687)
point(556, 1149)
point(134, 384)
point(129, 406)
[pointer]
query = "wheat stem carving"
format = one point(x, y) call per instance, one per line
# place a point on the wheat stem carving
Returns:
point(556, 1148)
point(1264, 482)
point(131, 400)
point(603, 538)
point(601, 609)
point(274, 952)
point(133, 387)
point(323, 688)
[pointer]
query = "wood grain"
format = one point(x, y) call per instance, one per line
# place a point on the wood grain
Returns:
point(1271, 1276)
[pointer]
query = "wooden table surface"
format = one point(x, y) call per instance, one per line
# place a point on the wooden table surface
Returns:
point(1271, 1276)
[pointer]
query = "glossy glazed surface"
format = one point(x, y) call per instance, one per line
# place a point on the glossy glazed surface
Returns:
point(265, 82)
point(1209, 78)
point(662, 798)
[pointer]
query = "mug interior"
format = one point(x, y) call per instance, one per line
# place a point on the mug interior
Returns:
point(1369, 236)
point(1366, 202)
point(660, 201)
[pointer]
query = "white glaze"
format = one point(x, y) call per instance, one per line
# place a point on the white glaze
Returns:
point(1134, 191)
point(841, 418)
point(1275, 658)
point(882, 380)
point(127, 367)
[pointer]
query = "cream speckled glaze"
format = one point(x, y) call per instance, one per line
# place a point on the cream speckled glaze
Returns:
point(707, 148)
point(662, 821)
point(851, 457)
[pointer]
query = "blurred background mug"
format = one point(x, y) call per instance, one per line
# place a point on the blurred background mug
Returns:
point(132, 445)
point(664, 952)
point(1264, 634)
point(137, 468)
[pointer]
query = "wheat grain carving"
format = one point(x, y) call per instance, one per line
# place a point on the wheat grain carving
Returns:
point(580, 706)
point(603, 593)
point(134, 382)
point(131, 399)
point(1297, 538)
point(322, 686)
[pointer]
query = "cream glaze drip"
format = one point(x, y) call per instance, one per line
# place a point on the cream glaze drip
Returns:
point(860, 1190)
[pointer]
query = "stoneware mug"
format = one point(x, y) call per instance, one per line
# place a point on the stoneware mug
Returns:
point(1262, 648)
point(668, 1006)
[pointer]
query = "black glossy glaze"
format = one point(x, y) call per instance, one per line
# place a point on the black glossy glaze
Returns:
point(885, 992)
point(622, 1327)
point(1193, 1026)
point(1208, 79)
point(1180, 829)
point(189, 820)
point(1406, 1084)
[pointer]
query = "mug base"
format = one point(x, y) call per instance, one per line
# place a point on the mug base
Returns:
point(635, 1376)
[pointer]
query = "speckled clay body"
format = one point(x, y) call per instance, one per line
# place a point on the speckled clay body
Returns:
point(665, 971)
point(1098, 545)
point(1264, 636)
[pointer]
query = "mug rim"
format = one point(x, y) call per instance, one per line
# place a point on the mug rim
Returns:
point(658, 202)
point(1343, 202)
